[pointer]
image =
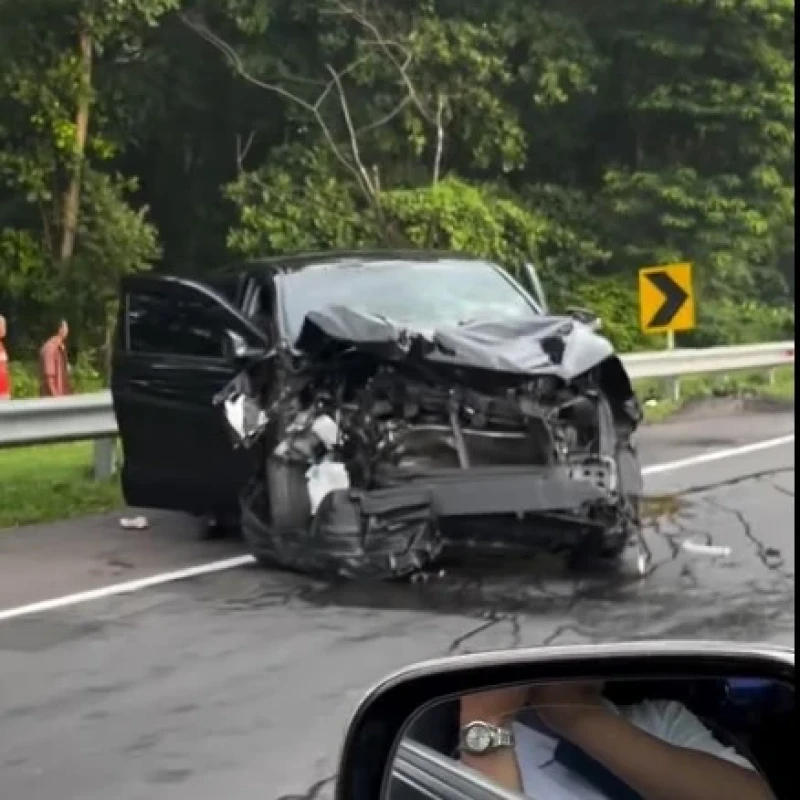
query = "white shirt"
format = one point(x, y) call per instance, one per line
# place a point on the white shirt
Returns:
point(667, 720)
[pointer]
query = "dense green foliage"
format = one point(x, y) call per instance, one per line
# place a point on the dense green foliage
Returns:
point(591, 138)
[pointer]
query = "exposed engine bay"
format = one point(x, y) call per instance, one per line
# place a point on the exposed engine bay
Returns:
point(385, 446)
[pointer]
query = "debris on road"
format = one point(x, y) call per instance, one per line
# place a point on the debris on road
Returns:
point(134, 523)
point(698, 548)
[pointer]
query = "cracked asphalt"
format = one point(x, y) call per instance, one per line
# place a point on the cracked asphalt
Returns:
point(239, 684)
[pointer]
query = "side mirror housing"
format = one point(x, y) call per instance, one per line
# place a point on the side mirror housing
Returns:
point(381, 760)
point(585, 316)
point(237, 348)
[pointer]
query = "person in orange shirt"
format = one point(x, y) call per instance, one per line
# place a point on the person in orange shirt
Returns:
point(5, 372)
point(53, 365)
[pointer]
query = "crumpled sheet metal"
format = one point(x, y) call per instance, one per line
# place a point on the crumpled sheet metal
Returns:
point(395, 532)
point(533, 346)
point(338, 544)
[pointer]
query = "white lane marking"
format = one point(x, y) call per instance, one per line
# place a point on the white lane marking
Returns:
point(242, 561)
point(127, 587)
point(717, 455)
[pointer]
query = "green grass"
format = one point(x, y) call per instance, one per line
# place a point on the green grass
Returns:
point(692, 389)
point(42, 484)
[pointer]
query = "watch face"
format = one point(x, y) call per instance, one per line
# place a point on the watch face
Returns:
point(477, 738)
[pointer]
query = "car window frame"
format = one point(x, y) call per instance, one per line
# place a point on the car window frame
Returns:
point(163, 353)
point(166, 285)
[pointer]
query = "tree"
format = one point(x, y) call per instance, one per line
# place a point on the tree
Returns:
point(589, 138)
point(47, 147)
point(703, 96)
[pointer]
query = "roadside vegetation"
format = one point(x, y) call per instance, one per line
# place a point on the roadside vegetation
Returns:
point(44, 484)
point(660, 403)
point(589, 138)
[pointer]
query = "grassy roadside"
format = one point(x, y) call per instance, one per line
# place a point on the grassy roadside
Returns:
point(42, 484)
point(660, 406)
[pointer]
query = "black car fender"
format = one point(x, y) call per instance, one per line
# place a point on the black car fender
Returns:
point(615, 383)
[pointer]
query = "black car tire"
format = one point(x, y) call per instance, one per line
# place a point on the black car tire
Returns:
point(287, 494)
point(618, 554)
point(277, 507)
point(221, 526)
point(255, 532)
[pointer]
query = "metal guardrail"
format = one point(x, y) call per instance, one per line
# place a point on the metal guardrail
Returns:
point(52, 420)
point(735, 358)
point(48, 420)
point(91, 416)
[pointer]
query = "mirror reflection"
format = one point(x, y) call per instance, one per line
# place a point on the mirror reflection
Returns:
point(672, 739)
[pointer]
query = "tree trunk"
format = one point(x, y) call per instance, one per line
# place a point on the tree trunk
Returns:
point(72, 197)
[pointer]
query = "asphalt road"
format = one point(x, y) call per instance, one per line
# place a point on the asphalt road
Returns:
point(239, 683)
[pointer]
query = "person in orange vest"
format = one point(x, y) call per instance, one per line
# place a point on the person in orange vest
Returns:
point(5, 370)
point(53, 365)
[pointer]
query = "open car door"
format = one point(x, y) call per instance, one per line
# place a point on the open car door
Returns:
point(178, 343)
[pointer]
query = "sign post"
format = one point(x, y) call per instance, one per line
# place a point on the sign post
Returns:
point(666, 303)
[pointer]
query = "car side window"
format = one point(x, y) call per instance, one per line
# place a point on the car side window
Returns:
point(171, 324)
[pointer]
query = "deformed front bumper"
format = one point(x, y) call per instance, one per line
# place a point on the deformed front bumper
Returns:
point(404, 526)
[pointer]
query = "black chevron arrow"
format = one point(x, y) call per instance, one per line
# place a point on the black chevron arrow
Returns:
point(674, 298)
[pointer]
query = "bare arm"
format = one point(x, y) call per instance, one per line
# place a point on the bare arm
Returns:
point(656, 769)
point(496, 708)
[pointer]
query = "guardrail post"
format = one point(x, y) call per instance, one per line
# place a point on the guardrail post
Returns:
point(674, 383)
point(105, 451)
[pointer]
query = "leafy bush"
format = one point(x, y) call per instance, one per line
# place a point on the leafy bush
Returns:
point(25, 379)
point(726, 322)
point(616, 302)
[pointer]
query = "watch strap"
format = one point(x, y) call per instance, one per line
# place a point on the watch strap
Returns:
point(500, 737)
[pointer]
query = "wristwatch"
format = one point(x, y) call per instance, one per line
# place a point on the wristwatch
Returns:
point(479, 738)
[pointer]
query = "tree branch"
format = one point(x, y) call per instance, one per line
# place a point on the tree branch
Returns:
point(398, 55)
point(356, 170)
point(388, 46)
point(439, 151)
point(386, 118)
point(348, 121)
point(243, 148)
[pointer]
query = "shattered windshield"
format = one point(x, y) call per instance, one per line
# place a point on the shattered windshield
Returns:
point(421, 294)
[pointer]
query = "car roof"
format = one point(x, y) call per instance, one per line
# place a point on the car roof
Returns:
point(293, 262)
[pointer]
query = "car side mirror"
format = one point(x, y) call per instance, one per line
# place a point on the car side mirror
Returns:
point(585, 316)
point(237, 348)
point(426, 731)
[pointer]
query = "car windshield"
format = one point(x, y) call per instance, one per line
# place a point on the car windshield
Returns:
point(423, 294)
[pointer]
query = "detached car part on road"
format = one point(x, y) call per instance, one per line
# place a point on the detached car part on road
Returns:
point(370, 410)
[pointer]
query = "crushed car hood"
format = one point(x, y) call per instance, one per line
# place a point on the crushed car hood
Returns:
point(545, 345)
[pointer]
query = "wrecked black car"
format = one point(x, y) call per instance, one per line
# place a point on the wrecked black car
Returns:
point(361, 413)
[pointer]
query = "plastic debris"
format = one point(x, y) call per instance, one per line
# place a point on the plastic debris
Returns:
point(700, 549)
point(326, 430)
point(324, 478)
point(134, 523)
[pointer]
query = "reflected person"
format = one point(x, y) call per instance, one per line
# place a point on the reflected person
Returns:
point(567, 742)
